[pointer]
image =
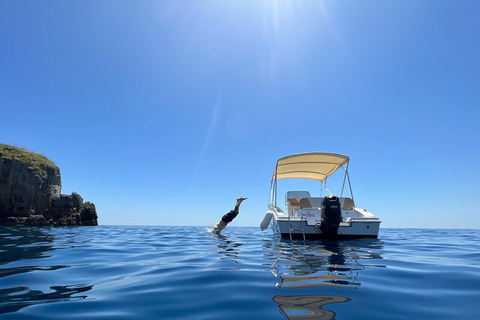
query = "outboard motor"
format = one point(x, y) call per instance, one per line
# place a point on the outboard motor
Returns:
point(331, 215)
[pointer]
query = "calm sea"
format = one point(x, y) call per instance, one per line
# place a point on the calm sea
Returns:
point(118, 272)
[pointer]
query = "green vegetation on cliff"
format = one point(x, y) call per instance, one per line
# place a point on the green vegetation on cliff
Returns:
point(33, 160)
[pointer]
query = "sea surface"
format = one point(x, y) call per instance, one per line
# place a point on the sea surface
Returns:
point(119, 272)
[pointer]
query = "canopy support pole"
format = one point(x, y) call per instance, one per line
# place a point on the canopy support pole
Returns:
point(276, 169)
point(350, 185)
point(271, 193)
point(344, 178)
point(325, 186)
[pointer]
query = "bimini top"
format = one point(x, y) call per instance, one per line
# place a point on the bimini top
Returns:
point(315, 165)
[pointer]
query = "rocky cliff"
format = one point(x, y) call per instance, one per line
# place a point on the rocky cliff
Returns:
point(30, 186)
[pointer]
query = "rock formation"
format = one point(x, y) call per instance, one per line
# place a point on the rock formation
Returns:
point(30, 186)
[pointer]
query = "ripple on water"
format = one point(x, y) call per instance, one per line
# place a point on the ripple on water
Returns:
point(187, 273)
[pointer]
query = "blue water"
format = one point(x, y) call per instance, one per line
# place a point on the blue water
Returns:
point(117, 272)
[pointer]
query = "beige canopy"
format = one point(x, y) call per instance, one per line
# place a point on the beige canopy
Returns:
point(315, 165)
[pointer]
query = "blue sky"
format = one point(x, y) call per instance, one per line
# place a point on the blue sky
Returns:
point(164, 112)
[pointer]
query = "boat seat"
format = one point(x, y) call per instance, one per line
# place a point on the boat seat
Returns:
point(316, 202)
point(296, 194)
point(348, 204)
point(292, 206)
point(305, 203)
point(293, 202)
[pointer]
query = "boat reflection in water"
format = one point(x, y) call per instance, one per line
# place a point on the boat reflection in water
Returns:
point(313, 266)
point(310, 305)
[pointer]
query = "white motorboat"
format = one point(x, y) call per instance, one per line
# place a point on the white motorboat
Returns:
point(308, 217)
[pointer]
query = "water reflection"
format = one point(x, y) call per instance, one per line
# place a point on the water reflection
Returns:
point(30, 244)
point(322, 264)
point(24, 243)
point(228, 249)
point(307, 307)
point(17, 298)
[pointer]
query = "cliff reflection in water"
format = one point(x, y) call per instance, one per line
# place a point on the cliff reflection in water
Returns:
point(24, 243)
point(30, 244)
point(323, 264)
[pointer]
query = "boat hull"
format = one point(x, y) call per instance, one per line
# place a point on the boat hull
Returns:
point(297, 228)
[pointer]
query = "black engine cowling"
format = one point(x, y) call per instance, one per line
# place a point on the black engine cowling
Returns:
point(331, 215)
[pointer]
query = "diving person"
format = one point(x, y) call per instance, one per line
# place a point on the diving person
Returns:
point(227, 218)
